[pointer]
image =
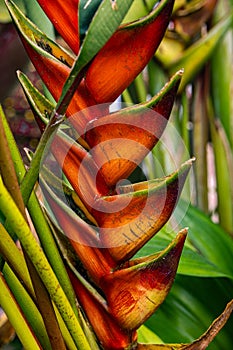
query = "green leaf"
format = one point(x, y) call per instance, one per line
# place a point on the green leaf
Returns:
point(208, 250)
point(190, 308)
point(192, 263)
point(145, 335)
point(209, 239)
point(196, 55)
point(37, 15)
point(86, 10)
point(4, 14)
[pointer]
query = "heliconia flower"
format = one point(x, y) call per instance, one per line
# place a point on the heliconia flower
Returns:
point(121, 140)
point(134, 293)
point(108, 331)
point(128, 220)
point(64, 14)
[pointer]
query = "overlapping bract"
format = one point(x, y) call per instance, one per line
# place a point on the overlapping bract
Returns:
point(116, 220)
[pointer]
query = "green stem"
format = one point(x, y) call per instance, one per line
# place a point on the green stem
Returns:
point(31, 176)
point(224, 169)
point(16, 317)
point(42, 266)
point(44, 302)
point(39, 221)
point(140, 88)
point(15, 260)
point(200, 139)
point(185, 121)
point(28, 307)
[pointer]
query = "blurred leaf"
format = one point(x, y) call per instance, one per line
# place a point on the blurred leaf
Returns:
point(192, 263)
point(210, 240)
point(207, 243)
point(204, 340)
point(145, 335)
point(4, 14)
point(86, 10)
point(196, 55)
point(190, 308)
point(221, 74)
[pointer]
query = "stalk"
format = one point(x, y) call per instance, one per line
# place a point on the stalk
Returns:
point(221, 74)
point(224, 171)
point(200, 139)
point(39, 221)
point(44, 302)
point(42, 266)
point(16, 317)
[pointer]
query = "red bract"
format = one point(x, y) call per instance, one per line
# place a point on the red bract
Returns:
point(126, 54)
point(64, 16)
point(134, 293)
point(110, 334)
